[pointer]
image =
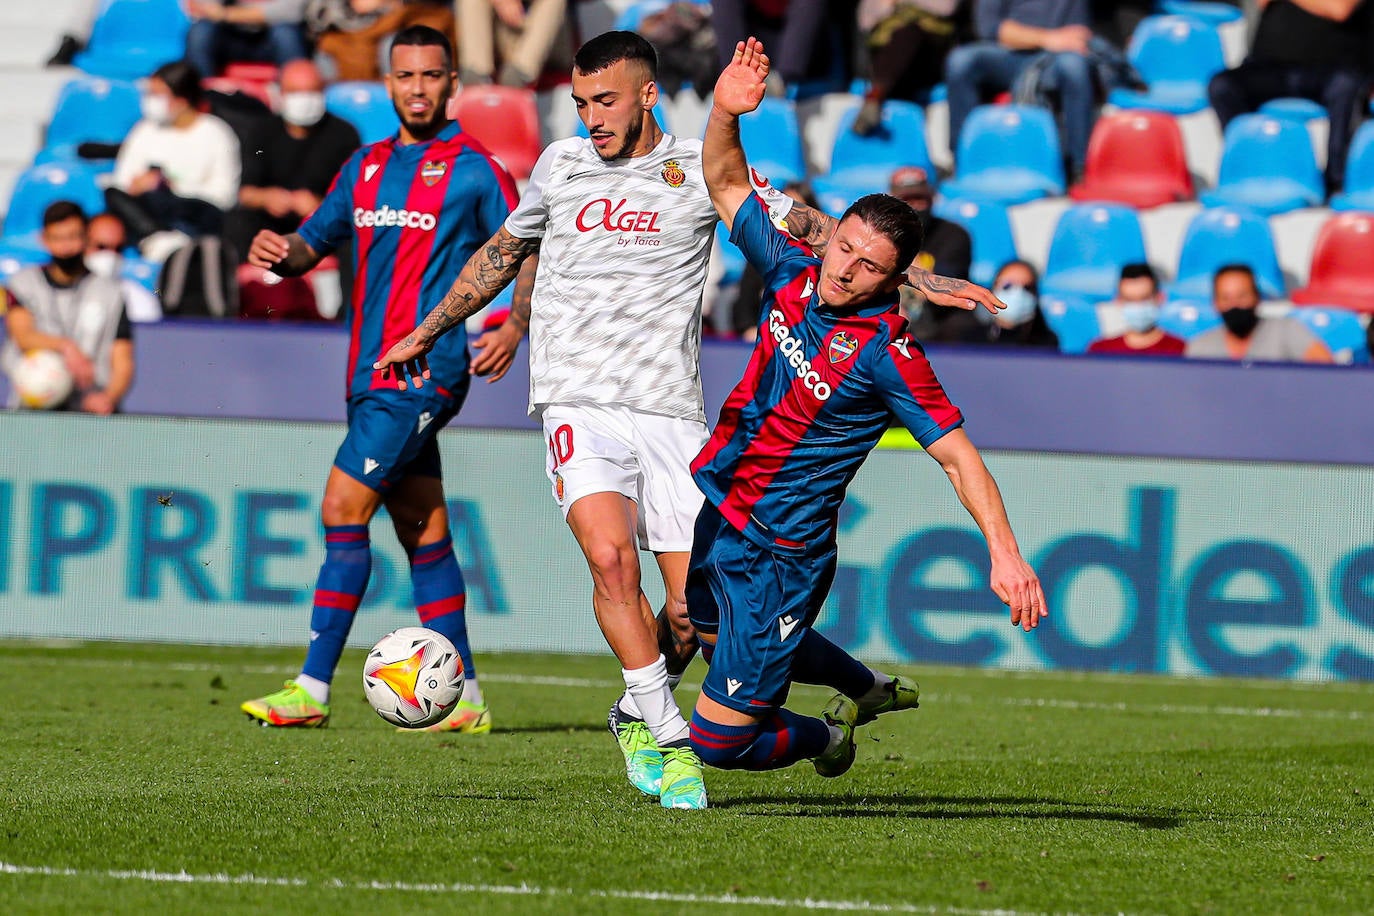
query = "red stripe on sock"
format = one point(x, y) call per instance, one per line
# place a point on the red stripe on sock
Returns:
point(441, 607)
point(341, 601)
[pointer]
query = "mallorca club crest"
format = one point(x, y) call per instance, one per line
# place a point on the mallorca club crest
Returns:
point(559, 490)
point(672, 173)
point(842, 346)
point(432, 171)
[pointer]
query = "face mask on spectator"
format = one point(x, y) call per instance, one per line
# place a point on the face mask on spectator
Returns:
point(69, 264)
point(303, 109)
point(1240, 322)
point(103, 263)
point(156, 108)
point(1139, 316)
point(1020, 304)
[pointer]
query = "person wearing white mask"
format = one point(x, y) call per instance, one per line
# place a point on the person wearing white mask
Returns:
point(177, 172)
point(1136, 309)
point(290, 159)
point(1021, 323)
point(106, 240)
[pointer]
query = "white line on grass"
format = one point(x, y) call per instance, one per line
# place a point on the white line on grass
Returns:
point(806, 903)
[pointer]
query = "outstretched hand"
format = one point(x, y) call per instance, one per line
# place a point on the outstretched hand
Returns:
point(953, 292)
point(740, 88)
point(406, 359)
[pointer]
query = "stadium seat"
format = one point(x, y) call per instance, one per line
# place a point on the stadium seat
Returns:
point(1226, 236)
point(772, 140)
point(42, 185)
point(252, 79)
point(1342, 272)
point(1359, 173)
point(988, 225)
point(1135, 158)
point(1291, 109)
point(864, 165)
point(366, 106)
point(1188, 319)
point(146, 274)
point(1008, 153)
point(1176, 56)
point(132, 38)
point(291, 299)
point(1214, 13)
point(1073, 321)
point(1091, 243)
point(14, 259)
point(1266, 165)
point(89, 109)
point(505, 120)
point(1342, 331)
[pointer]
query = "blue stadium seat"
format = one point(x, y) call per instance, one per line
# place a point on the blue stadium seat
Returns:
point(990, 228)
point(732, 260)
point(1188, 319)
point(145, 273)
point(42, 185)
point(1176, 56)
point(13, 259)
point(89, 109)
point(1226, 236)
point(1008, 153)
point(864, 165)
point(1341, 330)
point(1073, 320)
point(1359, 173)
point(1266, 165)
point(1091, 243)
point(1291, 109)
point(772, 140)
point(1214, 13)
point(366, 106)
point(132, 38)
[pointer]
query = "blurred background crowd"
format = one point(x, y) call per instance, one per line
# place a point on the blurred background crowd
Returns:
point(1151, 177)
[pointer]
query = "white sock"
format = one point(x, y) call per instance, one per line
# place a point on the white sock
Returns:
point(629, 707)
point(472, 691)
point(836, 739)
point(878, 692)
point(318, 689)
point(648, 687)
point(673, 681)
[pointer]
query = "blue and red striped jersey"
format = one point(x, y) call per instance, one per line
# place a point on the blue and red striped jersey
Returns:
point(416, 213)
point(822, 386)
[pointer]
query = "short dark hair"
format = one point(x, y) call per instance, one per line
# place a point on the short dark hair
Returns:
point(59, 211)
point(893, 218)
point(184, 81)
point(1140, 270)
point(612, 47)
point(425, 37)
point(1237, 268)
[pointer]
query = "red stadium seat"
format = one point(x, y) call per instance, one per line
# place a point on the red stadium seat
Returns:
point(1135, 158)
point(252, 79)
point(1342, 272)
point(506, 121)
point(293, 299)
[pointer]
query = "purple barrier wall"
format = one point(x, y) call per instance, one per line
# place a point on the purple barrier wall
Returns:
point(1034, 402)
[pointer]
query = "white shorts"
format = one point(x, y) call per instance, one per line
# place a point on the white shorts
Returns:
point(647, 457)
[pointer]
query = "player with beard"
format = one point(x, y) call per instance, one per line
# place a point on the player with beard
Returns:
point(416, 206)
point(623, 224)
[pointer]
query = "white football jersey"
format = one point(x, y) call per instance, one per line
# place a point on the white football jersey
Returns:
point(615, 316)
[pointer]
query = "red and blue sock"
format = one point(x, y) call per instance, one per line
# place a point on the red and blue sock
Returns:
point(441, 595)
point(338, 592)
point(768, 744)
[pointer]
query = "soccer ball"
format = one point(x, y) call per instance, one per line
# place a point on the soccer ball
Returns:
point(413, 677)
point(41, 380)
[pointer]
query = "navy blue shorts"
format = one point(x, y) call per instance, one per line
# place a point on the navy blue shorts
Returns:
point(391, 435)
point(759, 603)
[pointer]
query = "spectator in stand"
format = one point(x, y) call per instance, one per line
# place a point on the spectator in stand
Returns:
point(1115, 20)
point(291, 160)
point(1013, 35)
point(64, 307)
point(1312, 49)
point(177, 172)
point(106, 240)
point(353, 37)
point(807, 36)
point(1244, 335)
point(1021, 323)
point(272, 31)
point(908, 41)
point(947, 248)
point(1136, 308)
point(528, 36)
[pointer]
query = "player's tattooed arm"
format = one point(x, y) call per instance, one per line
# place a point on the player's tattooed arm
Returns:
point(811, 226)
point(952, 291)
point(486, 273)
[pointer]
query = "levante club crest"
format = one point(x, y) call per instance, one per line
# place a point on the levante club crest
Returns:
point(673, 175)
point(432, 171)
point(842, 346)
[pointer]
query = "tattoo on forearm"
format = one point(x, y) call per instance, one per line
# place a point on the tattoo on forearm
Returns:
point(478, 283)
point(811, 226)
point(923, 279)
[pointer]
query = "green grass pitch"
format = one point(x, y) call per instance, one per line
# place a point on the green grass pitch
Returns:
point(131, 783)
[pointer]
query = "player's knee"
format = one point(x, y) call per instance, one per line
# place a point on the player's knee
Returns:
point(339, 509)
point(721, 746)
point(615, 568)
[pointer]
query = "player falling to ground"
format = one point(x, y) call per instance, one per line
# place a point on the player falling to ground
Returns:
point(623, 224)
point(834, 365)
point(415, 206)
